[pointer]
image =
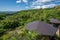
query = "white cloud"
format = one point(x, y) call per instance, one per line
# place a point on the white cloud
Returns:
point(26, 7)
point(48, 6)
point(35, 7)
point(18, 1)
point(39, 2)
point(43, 6)
point(25, 1)
point(43, 0)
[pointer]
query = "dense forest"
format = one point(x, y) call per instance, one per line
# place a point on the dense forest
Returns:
point(13, 26)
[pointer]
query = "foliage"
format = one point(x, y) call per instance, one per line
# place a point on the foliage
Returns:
point(21, 18)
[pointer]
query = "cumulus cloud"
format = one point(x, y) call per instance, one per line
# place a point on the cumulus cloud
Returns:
point(37, 4)
point(25, 1)
point(41, 4)
point(48, 6)
point(35, 7)
point(19, 1)
point(44, 0)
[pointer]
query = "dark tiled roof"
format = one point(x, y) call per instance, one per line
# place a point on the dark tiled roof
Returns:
point(52, 20)
point(42, 28)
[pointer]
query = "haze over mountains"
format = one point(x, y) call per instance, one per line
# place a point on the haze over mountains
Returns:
point(8, 12)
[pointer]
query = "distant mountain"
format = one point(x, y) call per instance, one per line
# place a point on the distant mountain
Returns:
point(21, 18)
point(8, 12)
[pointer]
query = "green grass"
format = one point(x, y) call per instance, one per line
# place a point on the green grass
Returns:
point(14, 25)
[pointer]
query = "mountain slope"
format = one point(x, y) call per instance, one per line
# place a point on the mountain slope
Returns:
point(21, 18)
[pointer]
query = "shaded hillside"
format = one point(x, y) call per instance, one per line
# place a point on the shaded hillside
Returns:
point(21, 18)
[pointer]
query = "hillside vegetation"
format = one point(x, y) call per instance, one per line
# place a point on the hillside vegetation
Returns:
point(13, 27)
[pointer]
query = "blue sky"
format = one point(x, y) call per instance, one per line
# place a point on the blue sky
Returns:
point(17, 5)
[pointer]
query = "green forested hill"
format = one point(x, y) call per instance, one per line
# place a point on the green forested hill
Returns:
point(10, 25)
